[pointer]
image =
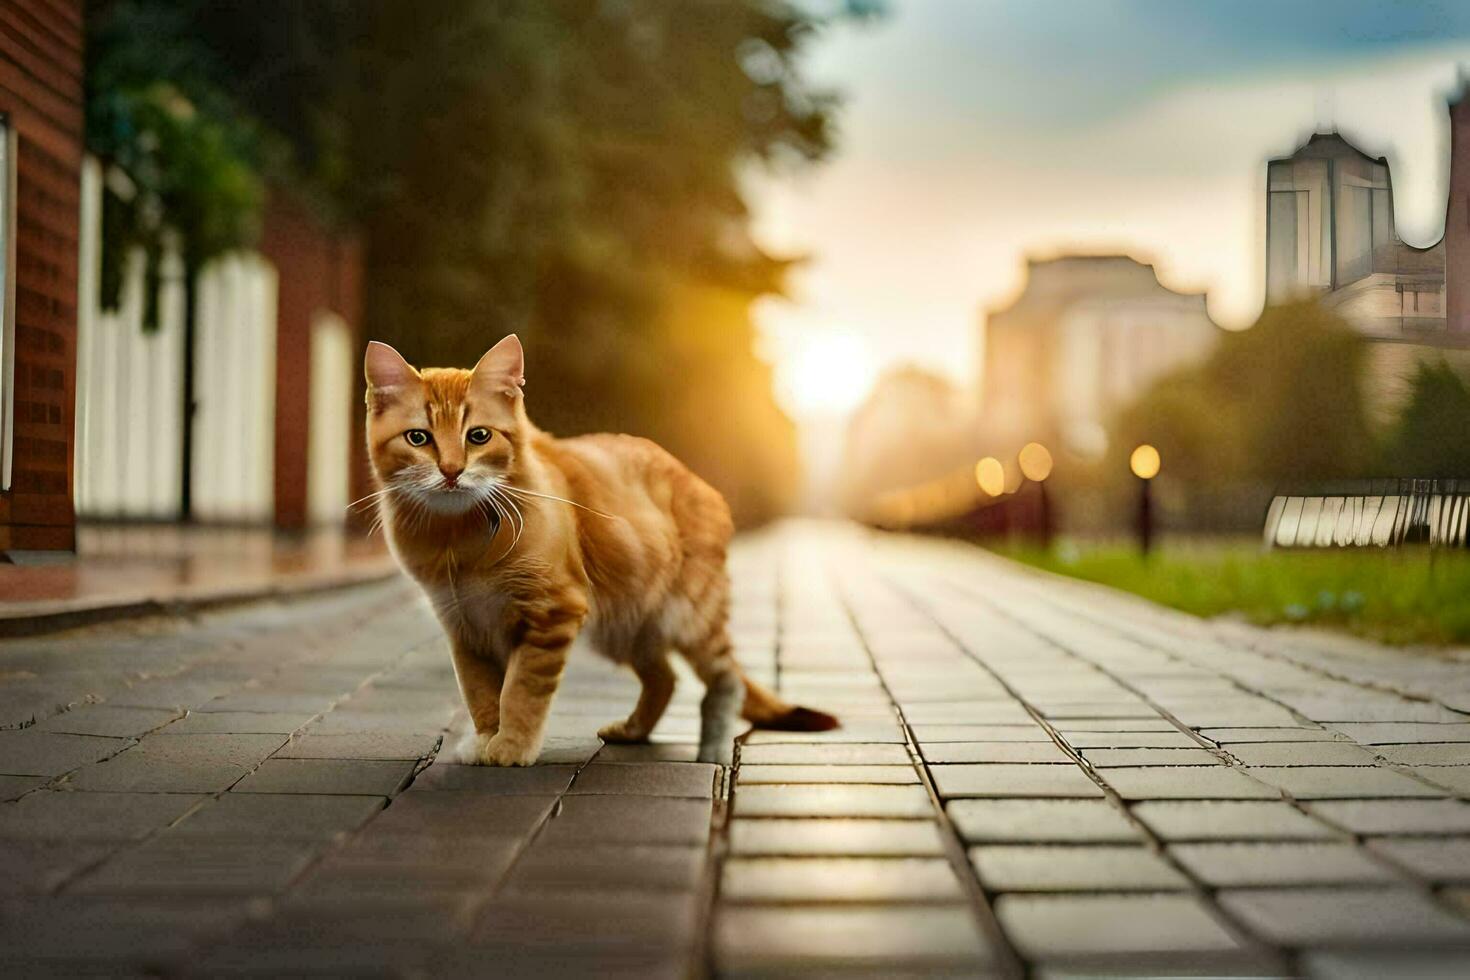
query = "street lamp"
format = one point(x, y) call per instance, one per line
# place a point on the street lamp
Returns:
point(1145, 462)
point(1036, 465)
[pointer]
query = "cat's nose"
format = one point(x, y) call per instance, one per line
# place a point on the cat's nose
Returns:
point(451, 474)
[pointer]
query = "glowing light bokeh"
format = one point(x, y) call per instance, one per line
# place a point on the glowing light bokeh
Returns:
point(1145, 462)
point(1035, 462)
point(991, 476)
point(829, 373)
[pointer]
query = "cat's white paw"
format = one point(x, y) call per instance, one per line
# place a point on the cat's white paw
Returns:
point(470, 750)
point(501, 751)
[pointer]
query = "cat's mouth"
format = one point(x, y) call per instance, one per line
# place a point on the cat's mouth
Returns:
point(451, 498)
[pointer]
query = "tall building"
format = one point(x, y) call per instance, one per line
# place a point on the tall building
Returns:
point(1330, 232)
point(1086, 335)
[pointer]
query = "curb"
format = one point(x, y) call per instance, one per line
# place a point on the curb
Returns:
point(36, 619)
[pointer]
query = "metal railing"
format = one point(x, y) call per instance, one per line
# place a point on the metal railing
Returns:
point(1371, 513)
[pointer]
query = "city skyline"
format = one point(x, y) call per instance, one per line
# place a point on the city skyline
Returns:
point(948, 179)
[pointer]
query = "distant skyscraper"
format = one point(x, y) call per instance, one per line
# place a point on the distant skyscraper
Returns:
point(1330, 232)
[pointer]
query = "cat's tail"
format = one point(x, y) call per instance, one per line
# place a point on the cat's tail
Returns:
point(764, 709)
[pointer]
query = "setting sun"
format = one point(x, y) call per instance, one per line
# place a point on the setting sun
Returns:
point(827, 373)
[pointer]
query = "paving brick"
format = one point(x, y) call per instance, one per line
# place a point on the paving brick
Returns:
point(1456, 779)
point(824, 879)
point(1006, 711)
point(108, 720)
point(1041, 821)
point(1069, 725)
point(830, 800)
point(282, 700)
point(1029, 732)
point(13, 787)
point(172, 866)
point(1396, 816)
point(35, 867)
point(1209, 820)
point(1117, 758)
point(1059, 926)
point(777, 941)
point(633, 921)
point(1302, 754)
point(631, 820)
point(1355, 917)
point(1296, 863)
point(1048, 868)
point(1439, 859)
point(109, 937)
point(1186, 783)
point(33, 753)
point(646, 779)
point(344, 722)
point(469, 813)
point(502, 780)
point(1427, 754)
point(653, 752)
point(835, 837)
point(609, 867)
point(567, 750)
point(1172, 739)
point(1003, 780)
point(1388, 732)
point(1342, 782)
point(386, 746)
point(279, 816)
point(239, 723)
point(52, 815)
point(1094, 710)
point(165, 763)
point(943, 753)
point(327, 776)
point(889, 775)
point(1234, 736)
point(848, 733)
point(476, 857)
point(1376, 964)
point(825, 755)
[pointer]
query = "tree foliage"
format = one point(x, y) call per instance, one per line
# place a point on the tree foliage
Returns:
point(570, 170)
point(1429, 437)
point(184, 166)
point(1280, 402)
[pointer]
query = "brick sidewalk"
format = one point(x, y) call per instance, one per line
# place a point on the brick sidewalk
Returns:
point(1032, 775)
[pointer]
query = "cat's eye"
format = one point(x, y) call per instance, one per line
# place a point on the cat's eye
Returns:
point(479, 435)
point(417, 437)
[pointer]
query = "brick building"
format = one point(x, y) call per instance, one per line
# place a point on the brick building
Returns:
point(41, 98)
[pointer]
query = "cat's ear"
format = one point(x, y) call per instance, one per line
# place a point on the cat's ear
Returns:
point(503, 368)
point(386, 369)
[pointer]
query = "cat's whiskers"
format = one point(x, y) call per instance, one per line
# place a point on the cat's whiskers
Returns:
point(549, 496)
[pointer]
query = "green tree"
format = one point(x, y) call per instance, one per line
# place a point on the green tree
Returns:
point(1279, 402)
point(1429, 437)
point(566, 169)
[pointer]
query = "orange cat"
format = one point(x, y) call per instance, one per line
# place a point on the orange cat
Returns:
point(522, 541)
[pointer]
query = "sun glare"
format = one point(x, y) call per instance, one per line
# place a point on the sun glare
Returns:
point(829, 373)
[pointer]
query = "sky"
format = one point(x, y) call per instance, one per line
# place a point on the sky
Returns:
point(978, 132)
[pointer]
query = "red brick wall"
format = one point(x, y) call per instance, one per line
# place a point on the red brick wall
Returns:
point(41, 91)
point(315, 271)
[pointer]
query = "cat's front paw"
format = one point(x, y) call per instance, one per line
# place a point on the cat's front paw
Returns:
point(622, 733)
point(501, 751)
point(470, 750)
